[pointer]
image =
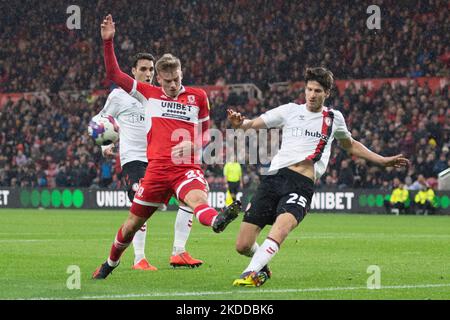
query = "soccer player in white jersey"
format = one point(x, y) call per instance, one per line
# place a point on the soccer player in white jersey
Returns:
point(283, 198)
point(130, 114)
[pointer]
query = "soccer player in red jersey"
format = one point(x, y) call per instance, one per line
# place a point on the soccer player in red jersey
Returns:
point(179, 118)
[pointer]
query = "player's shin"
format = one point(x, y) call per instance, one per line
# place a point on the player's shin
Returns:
point(139, 244)
point(183, 226)
point(205, 214)
point(121, 242)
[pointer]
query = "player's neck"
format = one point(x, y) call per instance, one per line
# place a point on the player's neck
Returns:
point(314, 109)
point(176, 95)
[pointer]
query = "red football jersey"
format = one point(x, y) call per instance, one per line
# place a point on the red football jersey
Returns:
point(171, 120)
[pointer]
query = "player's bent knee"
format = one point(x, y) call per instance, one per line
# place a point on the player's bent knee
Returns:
point(195, 197)
point(243, 248)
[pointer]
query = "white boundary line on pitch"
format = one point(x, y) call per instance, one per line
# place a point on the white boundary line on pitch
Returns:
point(248, 291)
point(318, 236)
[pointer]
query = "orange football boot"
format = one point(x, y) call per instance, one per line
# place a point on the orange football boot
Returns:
point(184, 260)
point(143, 264)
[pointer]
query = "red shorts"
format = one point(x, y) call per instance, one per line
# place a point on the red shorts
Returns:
point(161, 182)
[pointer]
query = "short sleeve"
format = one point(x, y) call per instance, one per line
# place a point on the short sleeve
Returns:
point(276, 117)
point(341, 131)
point(112, 105)
point(204, 108)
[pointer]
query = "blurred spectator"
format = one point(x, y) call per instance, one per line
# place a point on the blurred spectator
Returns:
point(345, 179)
point(61, 177)
point(425, 201)
point(419, 184)
point(398, 201)
point(106, 174)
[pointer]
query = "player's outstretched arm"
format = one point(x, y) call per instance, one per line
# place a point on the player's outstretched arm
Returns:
point(238, 121)
point(113, 71)
point(358, 149)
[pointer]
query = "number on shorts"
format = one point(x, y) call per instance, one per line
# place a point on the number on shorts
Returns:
point(140, 191)
point(293, 199)
point(196, 174)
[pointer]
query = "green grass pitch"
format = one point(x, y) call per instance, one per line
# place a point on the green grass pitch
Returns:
point(326, 257)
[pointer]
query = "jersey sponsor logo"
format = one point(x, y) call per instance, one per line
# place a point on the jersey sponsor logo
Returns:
point(301, 117)
point(316, 134)
point(169, 106)
point(176, 116)
point(178, 110)
point(136, 118)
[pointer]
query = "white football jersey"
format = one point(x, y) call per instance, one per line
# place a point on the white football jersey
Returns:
point(130, 114)
point(306, 135)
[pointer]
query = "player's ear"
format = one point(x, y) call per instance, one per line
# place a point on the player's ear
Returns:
point(327, 93)
point(181, 75)
point(133, 71)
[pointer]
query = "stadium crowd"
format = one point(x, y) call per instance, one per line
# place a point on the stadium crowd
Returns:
point(223, 41)
point(44, 141)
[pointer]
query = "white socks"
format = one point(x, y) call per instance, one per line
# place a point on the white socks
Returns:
point(113, 263)
point(183, 226)
point(139, 243)
point(263, 255)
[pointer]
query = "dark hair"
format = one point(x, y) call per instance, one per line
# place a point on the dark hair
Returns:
point(140, 56)
point(321, 75)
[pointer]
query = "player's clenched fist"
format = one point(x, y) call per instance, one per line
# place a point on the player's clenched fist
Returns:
point(235, 118)
point(107, 28)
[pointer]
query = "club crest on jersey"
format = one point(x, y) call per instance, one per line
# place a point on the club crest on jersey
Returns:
point(328, 121)
point(191, 99)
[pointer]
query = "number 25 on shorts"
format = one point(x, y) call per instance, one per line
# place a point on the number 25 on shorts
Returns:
point(296, 199)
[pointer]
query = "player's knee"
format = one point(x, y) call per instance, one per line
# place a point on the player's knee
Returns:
point(195, 198)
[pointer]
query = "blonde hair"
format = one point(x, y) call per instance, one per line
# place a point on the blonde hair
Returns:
point(167, 63)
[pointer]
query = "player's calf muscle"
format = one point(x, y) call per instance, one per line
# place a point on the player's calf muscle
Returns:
point(284, 224)
point(195, 198)
point(133, 224)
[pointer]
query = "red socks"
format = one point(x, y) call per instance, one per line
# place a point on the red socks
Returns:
point(119, 246)
point(205, 214)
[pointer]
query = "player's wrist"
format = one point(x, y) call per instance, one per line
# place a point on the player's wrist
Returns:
point(244, 124)
point(239, 125)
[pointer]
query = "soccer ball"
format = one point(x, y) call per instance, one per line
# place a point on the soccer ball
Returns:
point(104, 130)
